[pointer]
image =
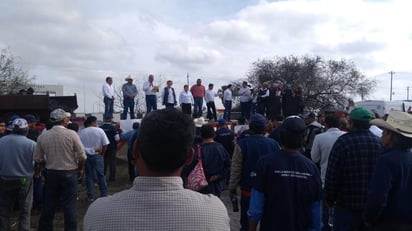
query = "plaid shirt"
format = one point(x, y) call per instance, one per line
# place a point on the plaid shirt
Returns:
point(350, 168)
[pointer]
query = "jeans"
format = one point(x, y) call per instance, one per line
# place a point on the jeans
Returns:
point(60, 188)
point(211, 110)
point(128, 104)
point(151, 103)
point(169, 105)
point(110, 160)
point(228, 109)
point(108, 108)
point(37, 192)
point(347, 220)
point(245, 110)
point(10, 192)
point(197, 109)
point(244, 207)
point(131, 166)
point(187, 108)
point(95, 165)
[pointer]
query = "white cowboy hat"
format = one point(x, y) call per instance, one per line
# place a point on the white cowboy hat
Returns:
point(129, 77)
point(199, 122)
point(397, 121)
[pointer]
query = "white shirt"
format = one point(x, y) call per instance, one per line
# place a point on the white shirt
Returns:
point(376, 130)
point(108, 90)
point(186, 97)
point(210, 96)
point(148, 88)
point(322, 145)
point(92, 138)
point(170, 98)
point(227, 95)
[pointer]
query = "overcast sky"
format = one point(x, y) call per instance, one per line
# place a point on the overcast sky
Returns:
point(78, 43)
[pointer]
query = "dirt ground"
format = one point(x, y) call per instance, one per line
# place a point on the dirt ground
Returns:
point(113, 187)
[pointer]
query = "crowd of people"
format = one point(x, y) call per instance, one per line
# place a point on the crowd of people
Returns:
point(273, 100)
point(306, 172)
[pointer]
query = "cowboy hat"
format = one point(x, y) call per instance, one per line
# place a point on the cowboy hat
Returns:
point(129, 77)
point(199, 122)
point(398, 122)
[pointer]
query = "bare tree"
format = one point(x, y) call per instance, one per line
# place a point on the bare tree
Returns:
point(12, 77)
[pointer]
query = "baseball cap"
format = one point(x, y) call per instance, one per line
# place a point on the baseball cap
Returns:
point(221, 122)
point(257, 120)
point(361, 114)
point(21, 123)
point(30, 118)
point(293, 124)
point(59, 114)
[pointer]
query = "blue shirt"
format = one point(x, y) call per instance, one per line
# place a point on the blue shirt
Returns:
point(253, 147)
point(290, 185)
point(350, 168)
point(225, 136)
point(111, 132)
point(390, 192)
point(16, 157)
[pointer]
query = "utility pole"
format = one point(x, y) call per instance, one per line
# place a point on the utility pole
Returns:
point(407, 93)
point(391, 73)
point(187, 77)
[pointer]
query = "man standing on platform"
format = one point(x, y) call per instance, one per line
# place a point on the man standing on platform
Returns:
point(150, 91)
point(186, 100)
point(108, 94)
point(198, 91)
point(210, 102)
point(129, 93)
point(245, 101)
point(169, 95)
point(227, 102)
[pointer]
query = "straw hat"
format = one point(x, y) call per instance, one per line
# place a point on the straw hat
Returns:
point(129, 77)
point(199, 122)
point(397, 121)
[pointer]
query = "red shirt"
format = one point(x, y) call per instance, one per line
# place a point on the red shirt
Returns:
point(198, 91)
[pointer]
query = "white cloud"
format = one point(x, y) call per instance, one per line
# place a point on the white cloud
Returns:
point(79, 43)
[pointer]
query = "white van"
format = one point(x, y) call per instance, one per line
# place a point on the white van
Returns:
point(382, 107)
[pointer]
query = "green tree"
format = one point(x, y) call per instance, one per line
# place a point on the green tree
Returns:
point(12, 76)
point(325, 83)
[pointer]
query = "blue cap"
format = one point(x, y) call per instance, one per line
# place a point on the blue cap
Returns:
point(30, 118)
point(257, 120)
point(221, 122)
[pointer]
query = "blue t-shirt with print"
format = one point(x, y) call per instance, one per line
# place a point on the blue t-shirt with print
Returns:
point(291, 184)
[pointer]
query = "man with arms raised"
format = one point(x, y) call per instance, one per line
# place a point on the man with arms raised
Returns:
point(157, 200)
